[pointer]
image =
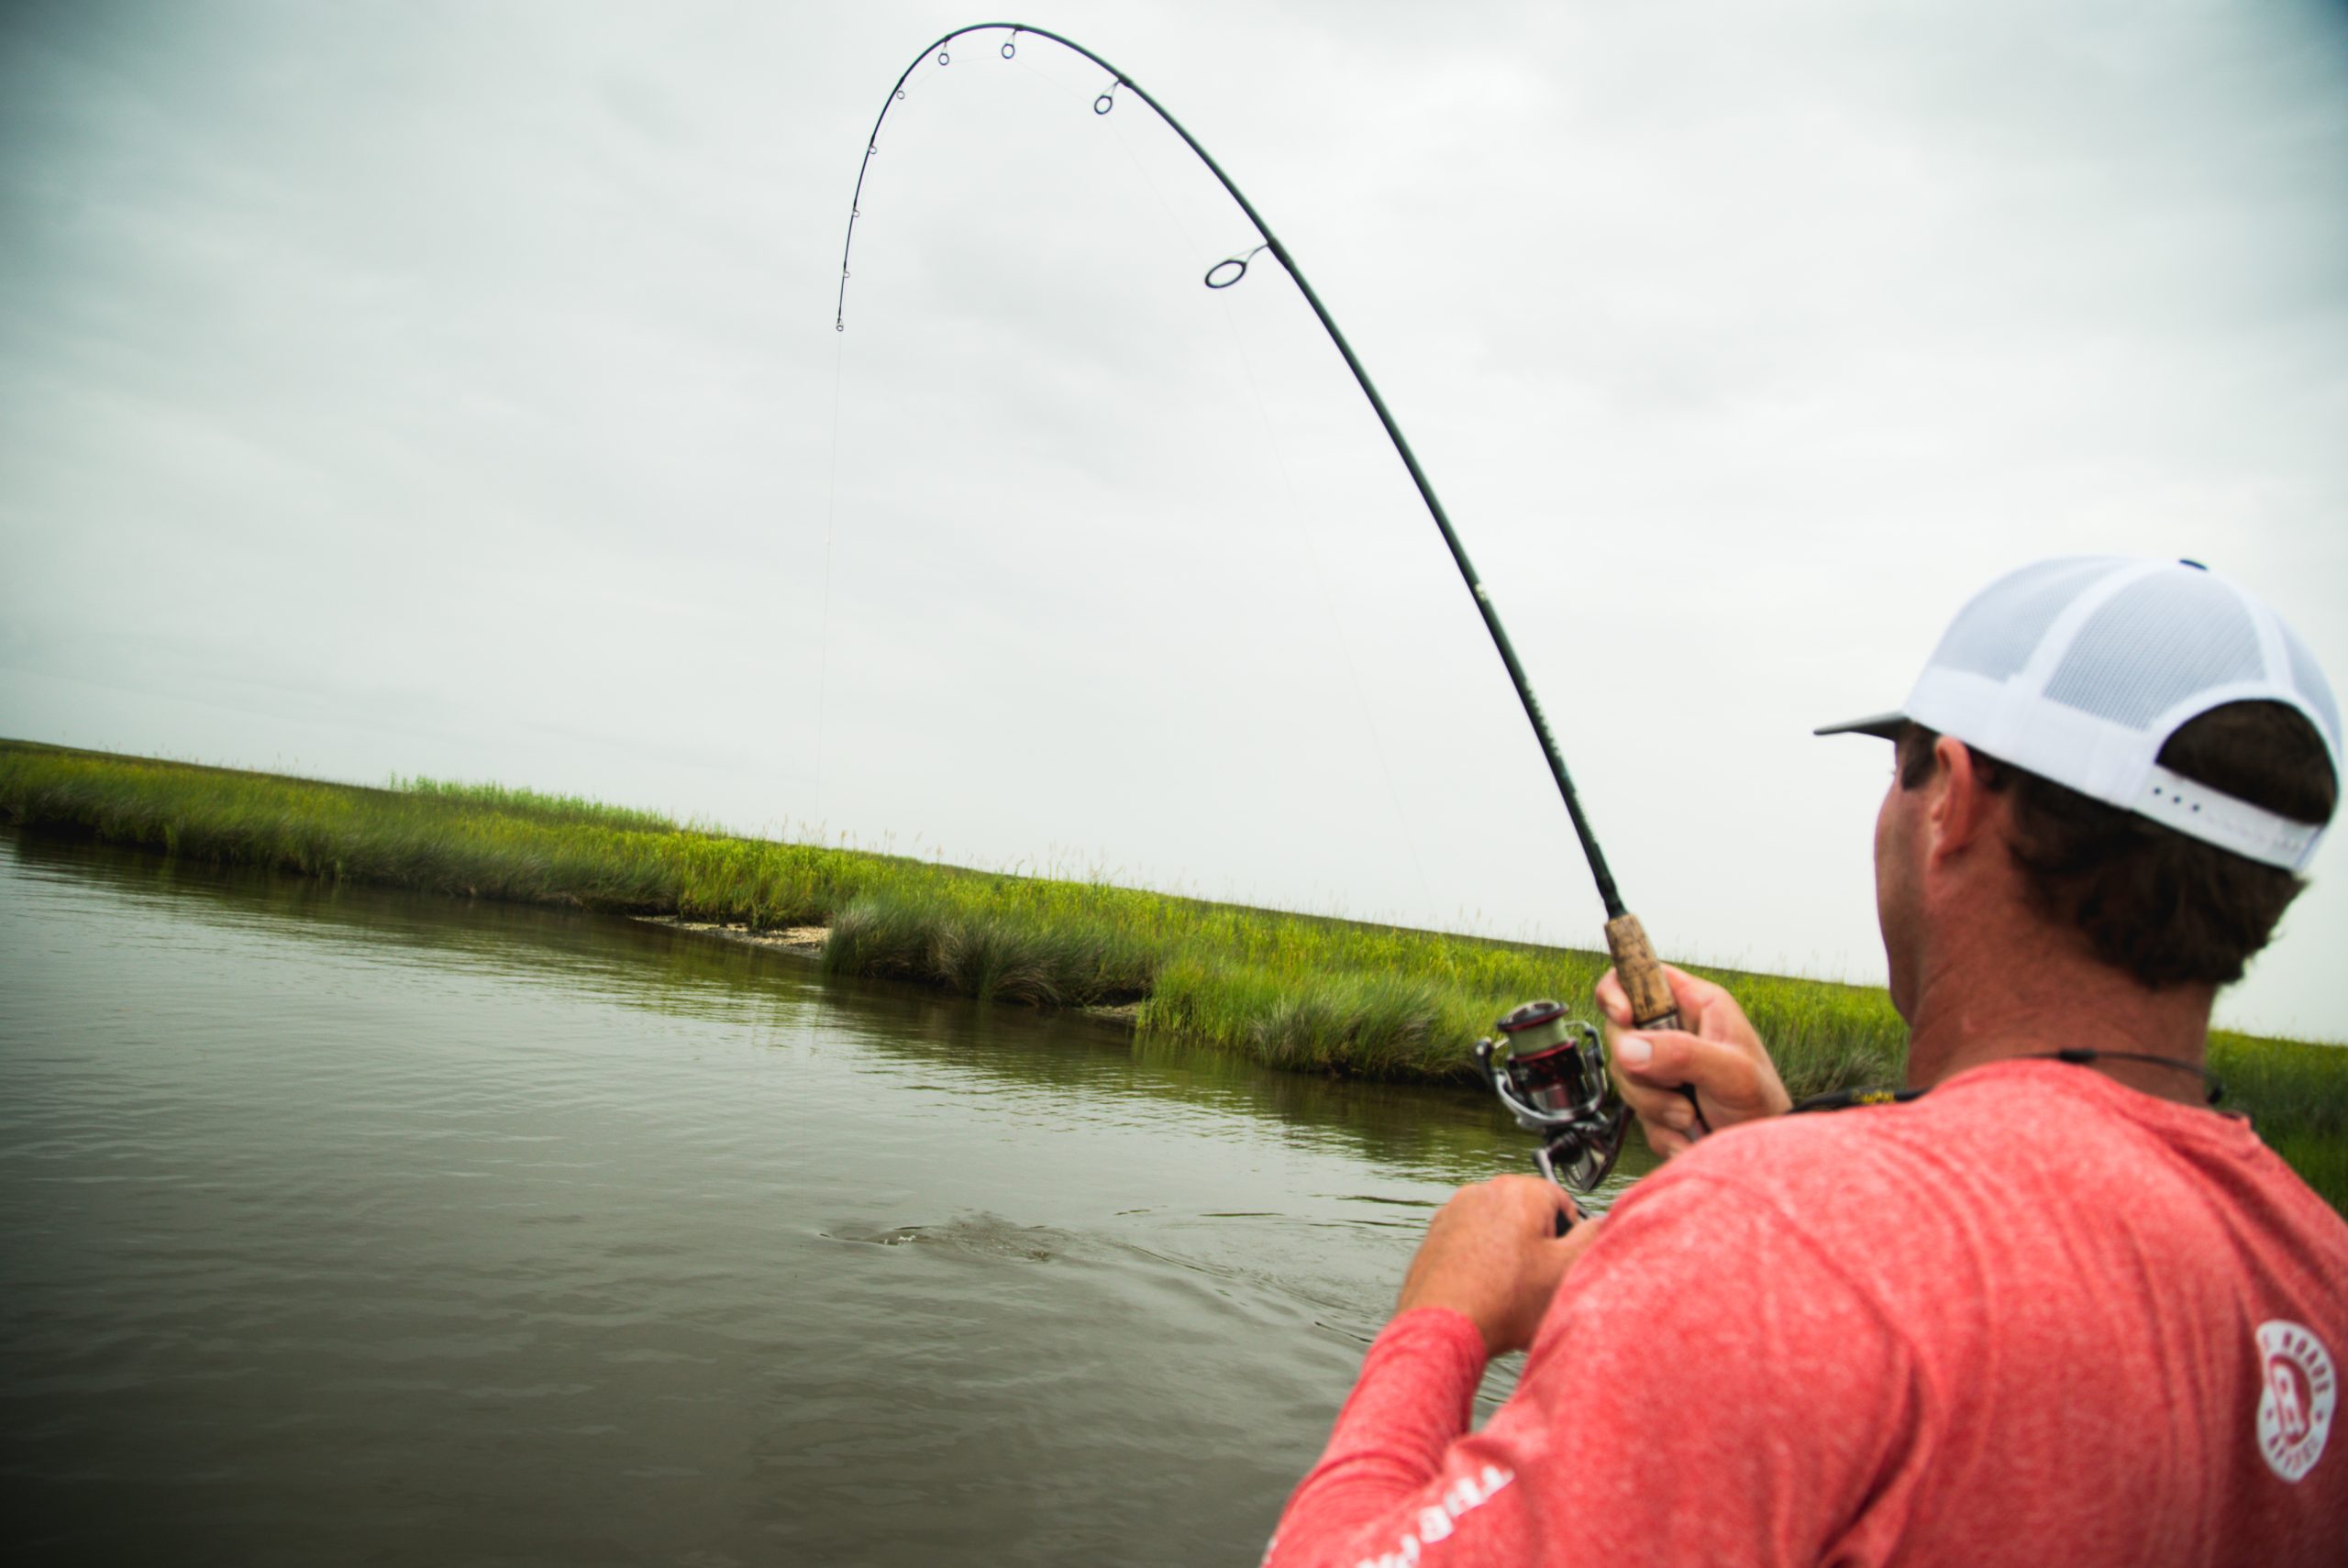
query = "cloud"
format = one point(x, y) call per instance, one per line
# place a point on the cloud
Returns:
point(455, 389)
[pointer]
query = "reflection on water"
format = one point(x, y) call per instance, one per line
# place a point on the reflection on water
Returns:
point(346, 1224)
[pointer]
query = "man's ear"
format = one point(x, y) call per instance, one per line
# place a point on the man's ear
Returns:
point(1961, 803)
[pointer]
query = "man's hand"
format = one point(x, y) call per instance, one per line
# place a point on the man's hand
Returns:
point(1493, 1254)
point(1719, 1056)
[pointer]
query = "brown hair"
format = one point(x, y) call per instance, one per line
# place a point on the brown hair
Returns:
point(2166, 907)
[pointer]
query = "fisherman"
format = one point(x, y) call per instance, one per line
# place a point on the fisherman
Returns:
point(2042, 1306)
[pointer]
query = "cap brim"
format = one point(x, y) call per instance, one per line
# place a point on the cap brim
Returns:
point(1883, 726)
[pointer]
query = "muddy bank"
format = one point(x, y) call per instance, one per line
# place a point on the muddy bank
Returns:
point(807, 940)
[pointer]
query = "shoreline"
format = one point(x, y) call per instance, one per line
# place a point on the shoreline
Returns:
point(1294, 992)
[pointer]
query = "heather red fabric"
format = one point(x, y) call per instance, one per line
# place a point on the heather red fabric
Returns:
point(2028, 1318)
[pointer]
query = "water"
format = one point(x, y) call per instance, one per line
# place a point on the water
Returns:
point(343, 1225)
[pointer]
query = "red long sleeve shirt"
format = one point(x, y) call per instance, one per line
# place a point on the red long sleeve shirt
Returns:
point(2032, 1318)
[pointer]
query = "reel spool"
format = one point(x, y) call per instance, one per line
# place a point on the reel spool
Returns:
point(1550, 1071)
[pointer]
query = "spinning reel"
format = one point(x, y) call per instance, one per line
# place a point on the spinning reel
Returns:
point(1550, 1071)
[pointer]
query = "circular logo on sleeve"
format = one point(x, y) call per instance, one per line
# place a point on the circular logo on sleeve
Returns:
point(2298, 1390)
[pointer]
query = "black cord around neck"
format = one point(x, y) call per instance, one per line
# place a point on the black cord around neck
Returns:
point(2078, 1056)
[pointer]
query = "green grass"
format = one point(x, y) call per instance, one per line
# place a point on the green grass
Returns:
point(1296, 992)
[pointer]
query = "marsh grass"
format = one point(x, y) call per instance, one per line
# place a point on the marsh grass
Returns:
point(967, 937)
point(2293, 1091)
point(1296, 992)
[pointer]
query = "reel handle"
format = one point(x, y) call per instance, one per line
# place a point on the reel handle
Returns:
point(1641, 973)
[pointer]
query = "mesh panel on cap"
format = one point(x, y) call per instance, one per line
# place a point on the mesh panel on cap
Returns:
point(2155, 643)
point(2312, 686)
point(2002, 629)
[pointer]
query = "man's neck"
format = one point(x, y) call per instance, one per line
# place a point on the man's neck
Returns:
point(1977, 1005)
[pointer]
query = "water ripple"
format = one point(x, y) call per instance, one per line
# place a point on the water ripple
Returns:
point(340, 1225)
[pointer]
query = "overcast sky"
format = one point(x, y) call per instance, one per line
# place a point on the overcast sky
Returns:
point(453, 389)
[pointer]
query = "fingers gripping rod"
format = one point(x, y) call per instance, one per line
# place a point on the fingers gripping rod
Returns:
point(1634, 960)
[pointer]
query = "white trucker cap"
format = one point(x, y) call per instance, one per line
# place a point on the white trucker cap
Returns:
point(2080, 669)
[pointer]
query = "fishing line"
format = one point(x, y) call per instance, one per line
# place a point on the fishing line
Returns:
point(1652, 1006)
point(830, 507)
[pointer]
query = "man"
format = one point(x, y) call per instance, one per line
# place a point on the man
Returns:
point(2056, 1310)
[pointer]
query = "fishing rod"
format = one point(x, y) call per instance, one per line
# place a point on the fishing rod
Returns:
point(1548, 1071)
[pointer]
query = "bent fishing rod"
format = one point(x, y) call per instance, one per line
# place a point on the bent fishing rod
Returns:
point(1550, 1071)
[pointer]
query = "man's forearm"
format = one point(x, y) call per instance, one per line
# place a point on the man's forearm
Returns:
point(1414, 1399)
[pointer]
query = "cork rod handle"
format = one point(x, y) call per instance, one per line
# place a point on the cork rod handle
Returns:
point(1642, 975)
